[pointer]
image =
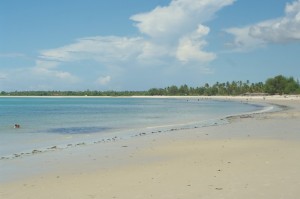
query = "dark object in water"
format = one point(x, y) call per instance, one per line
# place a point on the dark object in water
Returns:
point(17, 126)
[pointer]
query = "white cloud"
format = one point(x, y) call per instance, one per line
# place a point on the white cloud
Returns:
point(172, 36)
point(54, 75)
point(190, 46)
point(280, 30)
point(102, 49)
point(48, 69)
point(179, 24)
point(179, 17)
point(103, 80)
point(3, 76)
point(153, 50)
point(243, 41)
point(46, 63)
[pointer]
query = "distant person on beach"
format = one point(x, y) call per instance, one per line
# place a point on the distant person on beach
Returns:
point(17, 126)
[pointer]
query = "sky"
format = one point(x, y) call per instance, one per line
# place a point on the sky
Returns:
point(142, 44)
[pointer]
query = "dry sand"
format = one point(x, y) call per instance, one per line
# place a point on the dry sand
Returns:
point(252, 157)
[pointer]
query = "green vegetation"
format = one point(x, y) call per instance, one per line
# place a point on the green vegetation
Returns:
point(277, 85)
point(281, 85)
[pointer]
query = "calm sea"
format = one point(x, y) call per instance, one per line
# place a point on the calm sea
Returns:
point(67, 122)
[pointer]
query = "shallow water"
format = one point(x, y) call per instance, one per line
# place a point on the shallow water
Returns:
point(62, 122)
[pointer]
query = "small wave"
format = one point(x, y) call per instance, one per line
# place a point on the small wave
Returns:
point(77, 130)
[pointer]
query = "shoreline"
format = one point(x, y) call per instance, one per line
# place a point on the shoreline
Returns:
point(251, 157)
point(144, 132)
point(221, 97)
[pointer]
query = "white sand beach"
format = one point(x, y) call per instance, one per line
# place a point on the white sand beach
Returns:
point(257, 156)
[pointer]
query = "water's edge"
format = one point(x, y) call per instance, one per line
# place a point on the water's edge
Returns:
point(113, 137)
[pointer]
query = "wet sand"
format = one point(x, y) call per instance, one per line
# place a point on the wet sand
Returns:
point(254, 156)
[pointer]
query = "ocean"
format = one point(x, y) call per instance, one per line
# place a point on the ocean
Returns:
point(57, 123)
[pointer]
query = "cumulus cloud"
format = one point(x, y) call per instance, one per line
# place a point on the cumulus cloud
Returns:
point(154, 50)
point(54, 74)
point(3, 75)
point(178, 29)
point(103, 80)
point(110, 54)
point(46, 63)
point(179, 24)
point(49, 69)
point(190, 46)
point(102, 49)
point(179, 17)
point(281, 30)
point(171, 34)
point(243, 41)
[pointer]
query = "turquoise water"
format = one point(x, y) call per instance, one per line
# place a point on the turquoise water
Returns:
point(65, 122)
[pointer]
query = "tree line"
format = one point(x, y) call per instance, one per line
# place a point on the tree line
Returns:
point(276, 85)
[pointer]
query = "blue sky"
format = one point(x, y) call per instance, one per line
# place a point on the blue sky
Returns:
point(137, 45)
